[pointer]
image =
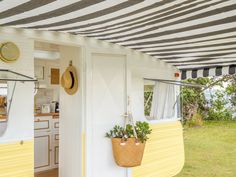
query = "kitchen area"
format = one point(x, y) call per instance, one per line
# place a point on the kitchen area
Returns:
point(3, 106)
point(46, 107)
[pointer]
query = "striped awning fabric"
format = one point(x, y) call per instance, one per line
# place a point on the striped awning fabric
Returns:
point(185, 33)
point(206, 72)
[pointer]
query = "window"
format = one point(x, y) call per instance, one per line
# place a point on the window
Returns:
point(148, 97)
point(160, 100)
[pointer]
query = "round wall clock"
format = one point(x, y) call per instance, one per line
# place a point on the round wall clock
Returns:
point(9, 52)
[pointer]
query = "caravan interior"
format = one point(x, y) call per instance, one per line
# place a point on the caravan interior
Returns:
point(46, 108)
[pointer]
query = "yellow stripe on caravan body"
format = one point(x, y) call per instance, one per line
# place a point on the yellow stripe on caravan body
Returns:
point(83, 155)
point(164, 152)
point(17, 159)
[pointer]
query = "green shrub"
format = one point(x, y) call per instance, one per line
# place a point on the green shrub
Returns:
point(218, 110)
point(196, 121)
point(224, 114)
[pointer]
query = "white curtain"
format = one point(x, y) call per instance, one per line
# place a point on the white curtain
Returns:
point(163, 102)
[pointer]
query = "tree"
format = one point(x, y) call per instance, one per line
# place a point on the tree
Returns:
point(194, 100)
point(217, 107)
point(231, 91)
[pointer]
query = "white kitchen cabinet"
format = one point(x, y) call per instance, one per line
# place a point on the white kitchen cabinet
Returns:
point(55, 158)
point(42, 151)
point(46, 146)
point(55, 126)
point(43, 124)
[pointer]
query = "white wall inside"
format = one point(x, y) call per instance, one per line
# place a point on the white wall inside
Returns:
point(50, 92)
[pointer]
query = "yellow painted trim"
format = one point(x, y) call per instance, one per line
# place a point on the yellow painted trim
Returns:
point(17, 159)
point(83, 155)
point(164, 152)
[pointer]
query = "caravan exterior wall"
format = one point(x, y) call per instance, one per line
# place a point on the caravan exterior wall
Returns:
point(16, 144)
point(108, 74)
point(17, 156)
point(164, 153)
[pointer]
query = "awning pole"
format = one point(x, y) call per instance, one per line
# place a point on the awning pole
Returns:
point(174, 82)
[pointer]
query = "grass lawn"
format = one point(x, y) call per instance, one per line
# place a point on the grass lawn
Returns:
point(210, 151)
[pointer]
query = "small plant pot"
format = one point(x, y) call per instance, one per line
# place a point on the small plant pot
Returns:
point(127, 153)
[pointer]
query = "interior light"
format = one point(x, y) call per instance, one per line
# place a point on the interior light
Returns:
point(47, 55)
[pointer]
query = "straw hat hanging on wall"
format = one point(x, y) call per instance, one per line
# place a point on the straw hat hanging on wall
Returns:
point(69, 80)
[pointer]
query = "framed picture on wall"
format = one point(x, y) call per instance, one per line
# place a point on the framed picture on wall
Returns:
point(39, 72)
point(55, 76)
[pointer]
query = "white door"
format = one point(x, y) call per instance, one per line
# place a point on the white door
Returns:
point(108, 100)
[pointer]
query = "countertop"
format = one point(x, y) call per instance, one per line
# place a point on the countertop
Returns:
point(53, 114)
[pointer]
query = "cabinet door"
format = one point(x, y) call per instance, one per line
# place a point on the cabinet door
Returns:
point(42, 149)
point(56, 155)
point(55, 150)
point(55, 126)
point(42, 123)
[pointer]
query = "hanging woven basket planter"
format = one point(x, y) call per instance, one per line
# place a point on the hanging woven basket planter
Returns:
point(128, 153)
point(128, 142)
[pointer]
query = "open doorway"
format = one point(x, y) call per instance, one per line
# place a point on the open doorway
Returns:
point(46, 109)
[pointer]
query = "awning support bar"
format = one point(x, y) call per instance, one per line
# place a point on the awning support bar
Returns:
point(174, 82)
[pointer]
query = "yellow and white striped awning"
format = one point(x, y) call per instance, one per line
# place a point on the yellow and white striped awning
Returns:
point(189, 34)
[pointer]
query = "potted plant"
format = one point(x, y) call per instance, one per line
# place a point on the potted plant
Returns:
point(128, 143)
